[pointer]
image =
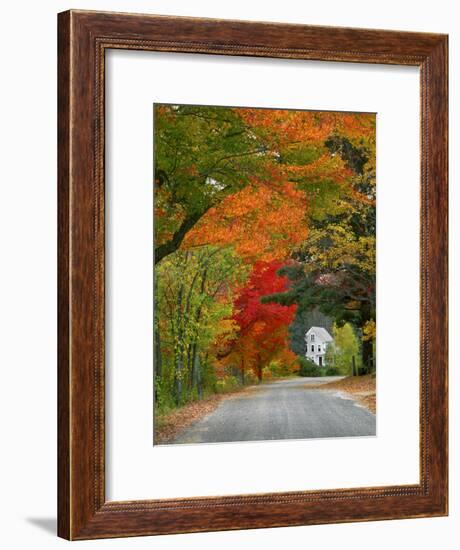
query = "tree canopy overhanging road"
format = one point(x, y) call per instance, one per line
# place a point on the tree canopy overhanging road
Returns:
point(265, 223)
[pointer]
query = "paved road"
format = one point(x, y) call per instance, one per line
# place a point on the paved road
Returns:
point(285, 409)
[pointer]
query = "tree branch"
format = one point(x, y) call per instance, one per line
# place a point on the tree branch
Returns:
point(174, 243)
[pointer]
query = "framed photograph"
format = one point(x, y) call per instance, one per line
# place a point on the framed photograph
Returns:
point(252, 275)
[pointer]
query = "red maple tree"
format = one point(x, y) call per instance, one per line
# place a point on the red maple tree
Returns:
point(263, 327)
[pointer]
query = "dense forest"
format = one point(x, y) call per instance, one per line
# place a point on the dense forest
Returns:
point(264, 226)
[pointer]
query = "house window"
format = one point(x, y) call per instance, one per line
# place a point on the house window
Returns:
point(319, 348)
point(312, 338)
point(313, 348)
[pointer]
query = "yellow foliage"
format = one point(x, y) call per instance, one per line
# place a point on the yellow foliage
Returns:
point(369, 331)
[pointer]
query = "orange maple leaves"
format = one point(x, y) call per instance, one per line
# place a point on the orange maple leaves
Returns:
point(261, 222)
point(308, 127)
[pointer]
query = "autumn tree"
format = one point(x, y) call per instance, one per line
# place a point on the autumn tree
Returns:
point(335, 266)
point(343, 353)
point(262, 334)
point(202, 155)
point(194, 295)
point(205, 154)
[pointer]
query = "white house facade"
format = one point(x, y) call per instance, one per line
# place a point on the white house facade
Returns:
point(317, 339)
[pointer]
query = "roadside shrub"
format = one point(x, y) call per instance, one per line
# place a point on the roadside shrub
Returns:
point(164, 400)
point(332, 371)
point(266, 373)
point(309, 368)
point(250, 378)
point(209, 378)
point(346, 346)
point(280, 369)
point(226, 384)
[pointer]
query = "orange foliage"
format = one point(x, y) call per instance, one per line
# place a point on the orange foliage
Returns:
point(262, 222)
point(308, 127)
point(326, 167)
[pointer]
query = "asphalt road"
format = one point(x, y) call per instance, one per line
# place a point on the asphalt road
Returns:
point(285, 409)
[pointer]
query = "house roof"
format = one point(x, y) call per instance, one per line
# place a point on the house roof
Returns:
point(321, 333)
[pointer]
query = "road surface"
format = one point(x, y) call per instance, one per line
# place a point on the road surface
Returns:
point(285, 409)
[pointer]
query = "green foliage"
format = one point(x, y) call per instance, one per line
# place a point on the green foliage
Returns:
point(324, 198)
point(279, 369)
point(309, 368)
point(346, 346)
point(188, 316)
point(332, 371)
point(227, 384)
point(164, 400)
point(208, 380)
point(300, 155)
point(202, 155)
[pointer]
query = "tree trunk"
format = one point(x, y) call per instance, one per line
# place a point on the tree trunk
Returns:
point(193, 366)
point(158, 357)
point(158, 362)
point(178, 380)
point(179, 359)
point(174, 243)
point(197, 373)
point(368, 356)
point(367, 345)
point(157, 347)
point(190, 365)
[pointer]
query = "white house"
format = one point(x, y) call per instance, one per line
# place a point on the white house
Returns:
point(317, 339)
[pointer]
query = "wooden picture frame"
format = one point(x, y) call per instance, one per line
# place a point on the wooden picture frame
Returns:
point(83, 39)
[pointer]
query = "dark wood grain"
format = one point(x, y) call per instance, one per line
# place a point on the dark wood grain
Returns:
point(63, 220)
point(83, 38)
